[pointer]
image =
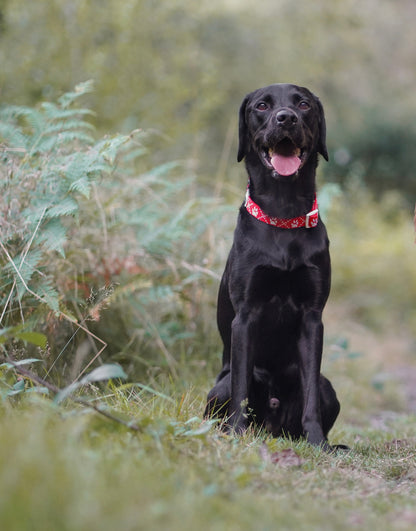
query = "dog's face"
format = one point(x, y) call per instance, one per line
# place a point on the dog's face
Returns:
point(283, 125)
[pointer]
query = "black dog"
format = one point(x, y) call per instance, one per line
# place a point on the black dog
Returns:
point(277, 277)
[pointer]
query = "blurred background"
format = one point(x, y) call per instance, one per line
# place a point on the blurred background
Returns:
point(182, 68)
point(177, 70)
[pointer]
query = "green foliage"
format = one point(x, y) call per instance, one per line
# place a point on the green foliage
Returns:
point(379, 153)
point(15, 381)
point(110, 252)
point(48, 163)
point(18, 332)
point(86, 226)
point(372, 246)
point(197, 60)
point(106, 255)
point(69, 468)
point(104, 372)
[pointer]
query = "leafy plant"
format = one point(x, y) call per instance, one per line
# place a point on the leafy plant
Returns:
point(49, 161)
point(378, 153)
point(87, 226)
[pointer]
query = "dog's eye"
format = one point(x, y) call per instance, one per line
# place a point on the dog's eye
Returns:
point(262, 106)
point(303, 105)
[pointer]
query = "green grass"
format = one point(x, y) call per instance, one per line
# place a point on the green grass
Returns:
point(68, 468)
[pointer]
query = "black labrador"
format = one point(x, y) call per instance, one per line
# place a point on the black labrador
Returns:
point(277, 277)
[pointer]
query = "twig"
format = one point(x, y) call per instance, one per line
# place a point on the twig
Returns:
point(200, 269)
point(40, 381)
point(64, 315)
point(91, 362)
point(21, 265)
point(8, 300)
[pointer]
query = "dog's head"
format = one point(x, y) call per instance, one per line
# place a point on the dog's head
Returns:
point(283, 125)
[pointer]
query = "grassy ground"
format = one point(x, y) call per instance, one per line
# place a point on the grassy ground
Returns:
point(68, 468)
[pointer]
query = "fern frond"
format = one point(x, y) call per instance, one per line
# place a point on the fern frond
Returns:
point(66, 206)
point(137, 231)
point(29, 120)
point(48, 293)
point(35, 212)
point(64, 138)
point(16, 112)
point(25, 267)
point(81, 185)
point(67, 125)
point(108, 148)
point(69, 98)
point(54, 112)
point(53, 236)
point(79, 165)
point(13, 137)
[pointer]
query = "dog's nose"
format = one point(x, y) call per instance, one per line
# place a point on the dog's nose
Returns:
point(286, 117)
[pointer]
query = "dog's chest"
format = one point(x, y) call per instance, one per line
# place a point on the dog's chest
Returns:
point(274, 285)
point(281, 267)
point(284, 251)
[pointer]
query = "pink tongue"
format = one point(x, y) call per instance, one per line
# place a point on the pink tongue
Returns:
point(285, 165)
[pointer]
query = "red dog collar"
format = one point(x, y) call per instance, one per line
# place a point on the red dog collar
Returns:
point(308, 221)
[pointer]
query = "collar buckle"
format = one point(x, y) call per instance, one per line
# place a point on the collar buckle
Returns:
point(311, 219)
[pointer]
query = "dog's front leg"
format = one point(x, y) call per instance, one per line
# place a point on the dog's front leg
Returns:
point(242, 364)
point(310, 355)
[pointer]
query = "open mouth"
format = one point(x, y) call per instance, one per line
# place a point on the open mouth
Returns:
point(285, 158)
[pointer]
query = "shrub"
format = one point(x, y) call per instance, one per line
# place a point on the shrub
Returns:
point(377, 152)
point(87, 226)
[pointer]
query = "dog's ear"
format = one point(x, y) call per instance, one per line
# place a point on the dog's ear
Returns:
point(322, 131)
point(242, 131)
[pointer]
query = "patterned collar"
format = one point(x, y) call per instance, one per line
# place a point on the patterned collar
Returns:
point(308, 221)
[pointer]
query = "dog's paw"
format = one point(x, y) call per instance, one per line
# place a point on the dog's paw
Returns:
point(341, 447)
point(334, 448)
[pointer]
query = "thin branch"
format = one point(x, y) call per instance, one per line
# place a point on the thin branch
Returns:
point(64, 315)
point(61, 353)
point(82, 320)
point(91, 362)
point(40, 381)
point(8, 300)
point(21, 265)
point(200, 269)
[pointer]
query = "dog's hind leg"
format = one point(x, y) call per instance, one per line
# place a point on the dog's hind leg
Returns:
point(219, 397)
point(330, 406)
point(225, 316)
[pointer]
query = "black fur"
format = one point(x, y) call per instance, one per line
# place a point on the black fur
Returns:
point(276, 281)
